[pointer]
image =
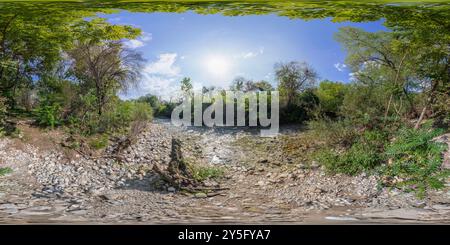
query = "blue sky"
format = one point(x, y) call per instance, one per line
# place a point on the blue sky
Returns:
point(213, 49)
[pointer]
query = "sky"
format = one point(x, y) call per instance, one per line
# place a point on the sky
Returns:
point(213, 49)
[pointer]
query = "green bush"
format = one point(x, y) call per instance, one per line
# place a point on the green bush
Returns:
point(142, 112)
point(124, 114)
point(362, 152)
point(361, 156)
point(410, 156)
point(165, 109)
point(48, 115)
point(301, 109)
point(331, 96)
point(334, 133)
point(416, 160)
point(364, 105)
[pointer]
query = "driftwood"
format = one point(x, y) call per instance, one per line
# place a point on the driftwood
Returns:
point(179, 175)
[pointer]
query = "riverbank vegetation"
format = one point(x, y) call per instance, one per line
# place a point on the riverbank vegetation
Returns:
point(66, 70)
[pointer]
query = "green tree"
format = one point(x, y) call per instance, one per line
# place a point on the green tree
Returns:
point(186, 86)
point(106, 68)
point(294, 77)
point(331, 96)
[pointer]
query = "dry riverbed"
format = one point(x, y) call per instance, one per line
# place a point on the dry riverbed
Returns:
point(268, 181)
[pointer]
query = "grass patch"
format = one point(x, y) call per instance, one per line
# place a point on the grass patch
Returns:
point(202, 173)
point(5, 171)
point(364, 154)
point(99, 142)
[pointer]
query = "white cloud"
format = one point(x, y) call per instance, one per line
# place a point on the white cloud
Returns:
point(165, 65)
point(134, 44)
point(340, 67)
point(139, 42)
point(269, 76)
point(251, 54)
point(160, 77)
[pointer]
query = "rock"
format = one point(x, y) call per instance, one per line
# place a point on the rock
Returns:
point(441, 207)
point(79, 212)
point(9, 208)
point(314, 165)
point(260, 183)
point(200, 195)
point(171, 189)
point(342, 218)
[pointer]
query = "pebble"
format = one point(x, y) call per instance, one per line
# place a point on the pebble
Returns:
point(200, 195)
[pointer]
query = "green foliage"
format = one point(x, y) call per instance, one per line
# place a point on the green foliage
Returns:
point(186, 85)
point(116, 119)
point(294, 77)
point(48, 115)
point(5, 171)
point(99, 142)
point(331, 97)
point(407, 155)
point(142, 112)
point(165, 109)
point(201, 173)
point(416, 160)
point(363, 155)
point(364, 105)
point(123, 114)
point(160, 108)
point(334, 133)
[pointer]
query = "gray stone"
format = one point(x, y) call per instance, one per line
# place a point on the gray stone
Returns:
point(9, 208)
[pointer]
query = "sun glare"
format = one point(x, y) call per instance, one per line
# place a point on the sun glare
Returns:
point(217, 65)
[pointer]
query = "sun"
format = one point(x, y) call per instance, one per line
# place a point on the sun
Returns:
point(217, 65)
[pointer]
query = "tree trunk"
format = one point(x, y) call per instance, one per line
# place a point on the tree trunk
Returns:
point(387, 109)
point(178, 173)
point(422, 115)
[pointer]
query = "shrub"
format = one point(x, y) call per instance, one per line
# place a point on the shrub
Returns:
point(142, 113)
point(301, 109)
point(48, 115)
point(165, 109)
point(363, 154)
point(416, 160)
point(331, 96)
point(358, 158)
point(334, 133)
point(363, 105)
